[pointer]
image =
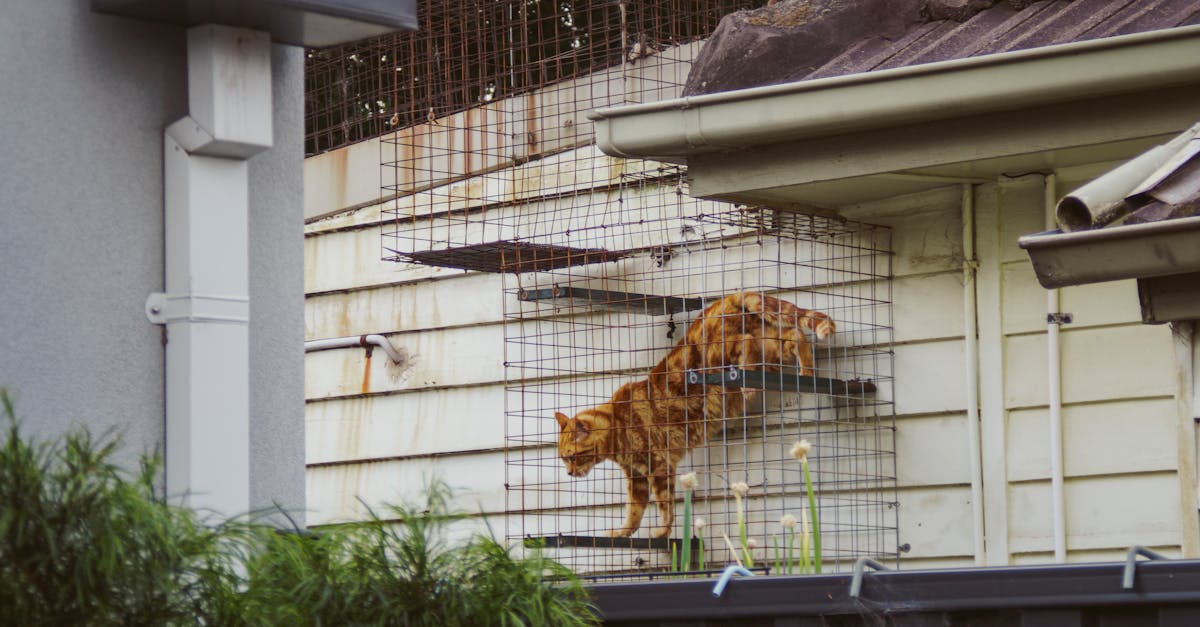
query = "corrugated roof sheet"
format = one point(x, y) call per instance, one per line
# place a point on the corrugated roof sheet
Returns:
point(797, 40)
point(1003, 28)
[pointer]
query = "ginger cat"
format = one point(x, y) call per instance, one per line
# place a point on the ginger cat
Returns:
point(648, 425)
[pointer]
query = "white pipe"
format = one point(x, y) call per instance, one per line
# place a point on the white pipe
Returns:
point(971, 353)
point(356, 340)
point(1054, 387)
point(206, 304)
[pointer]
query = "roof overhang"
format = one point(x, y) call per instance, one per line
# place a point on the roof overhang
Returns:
point(310, 23)
point(847, 139)
point(1135, 251)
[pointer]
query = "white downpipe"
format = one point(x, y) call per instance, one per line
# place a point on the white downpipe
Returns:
point(356, 340)
point(971, 354)
point(1054, 386)
point(206, 305)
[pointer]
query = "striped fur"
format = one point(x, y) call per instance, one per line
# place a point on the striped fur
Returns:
point(649, 425)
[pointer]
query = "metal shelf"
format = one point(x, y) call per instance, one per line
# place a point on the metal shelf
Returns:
point(629, 302)
point(607, 542)
point(780, 382)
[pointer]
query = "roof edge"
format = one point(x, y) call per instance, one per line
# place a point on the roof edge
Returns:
point(1128, 252)
point(671, 130)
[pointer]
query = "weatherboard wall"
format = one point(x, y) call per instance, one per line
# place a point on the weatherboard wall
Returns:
point(442, 411)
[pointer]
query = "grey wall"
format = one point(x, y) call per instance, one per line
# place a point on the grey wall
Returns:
point(277, 297)
point(83, 101)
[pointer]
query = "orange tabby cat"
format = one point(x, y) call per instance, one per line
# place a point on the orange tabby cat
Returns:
point(648, 425)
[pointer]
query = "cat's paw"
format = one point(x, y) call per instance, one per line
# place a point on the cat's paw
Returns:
point(620, 533)
point(661, 532)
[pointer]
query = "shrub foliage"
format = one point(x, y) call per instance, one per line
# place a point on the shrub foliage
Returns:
point(84, 543)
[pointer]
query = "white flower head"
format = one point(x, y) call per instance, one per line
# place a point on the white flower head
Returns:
point(740, 488)
point(698, 524)
point(688, 481)
point(800, 449)
point(787, 521)
point(751, 543)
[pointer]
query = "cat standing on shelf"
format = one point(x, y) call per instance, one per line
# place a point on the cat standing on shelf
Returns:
point(647, 426)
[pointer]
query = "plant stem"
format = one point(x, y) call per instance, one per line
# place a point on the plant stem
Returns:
point(686, 561)
point(816, 519)
point(791, 543)
point(775, 552)
point(749, 559)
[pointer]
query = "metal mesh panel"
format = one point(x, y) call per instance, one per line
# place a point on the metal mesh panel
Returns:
point(577, 333)
point(489, 164)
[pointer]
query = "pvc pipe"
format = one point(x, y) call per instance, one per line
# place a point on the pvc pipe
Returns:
point(353, 341)
point(971, 357)
point(1054, 387)
point(729, 572)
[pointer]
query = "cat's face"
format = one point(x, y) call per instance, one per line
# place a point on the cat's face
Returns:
point(578, 444)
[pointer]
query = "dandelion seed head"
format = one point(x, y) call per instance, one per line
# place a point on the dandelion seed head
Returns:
point(688, 481)
point(740, 488)
point(800, 449)
point(788, 521)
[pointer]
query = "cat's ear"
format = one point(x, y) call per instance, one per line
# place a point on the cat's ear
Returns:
point(581, 431)
point(562, 419)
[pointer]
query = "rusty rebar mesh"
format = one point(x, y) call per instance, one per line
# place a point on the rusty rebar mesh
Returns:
point(488, 163)
point(488, 127)
point(473, 52)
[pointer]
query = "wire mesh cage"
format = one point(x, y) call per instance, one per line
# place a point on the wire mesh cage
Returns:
point(576, 334)
point(487, 127)
point(489, 164)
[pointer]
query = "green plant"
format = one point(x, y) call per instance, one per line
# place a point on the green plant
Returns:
point(740, 489)
point(800, 451)
point(82, 543)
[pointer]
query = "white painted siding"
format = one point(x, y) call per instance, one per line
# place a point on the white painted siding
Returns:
point(443, 411)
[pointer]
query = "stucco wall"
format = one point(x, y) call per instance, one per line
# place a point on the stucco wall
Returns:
point(84, 100)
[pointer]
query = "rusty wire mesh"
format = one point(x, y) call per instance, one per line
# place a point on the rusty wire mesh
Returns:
point(488, 163)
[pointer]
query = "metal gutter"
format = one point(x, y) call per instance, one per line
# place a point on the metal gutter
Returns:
point(671, 130)
point(919, 596)
point(1114, 253)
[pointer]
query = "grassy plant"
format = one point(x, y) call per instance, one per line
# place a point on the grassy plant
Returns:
point(82, 543)
point(688, 482)
point(800, 451)
point(740, 489)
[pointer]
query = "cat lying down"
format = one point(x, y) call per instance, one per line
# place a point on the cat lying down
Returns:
point(649, 425)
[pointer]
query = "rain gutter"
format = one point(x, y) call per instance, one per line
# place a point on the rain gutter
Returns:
point(672, 130)
point(1127, 252)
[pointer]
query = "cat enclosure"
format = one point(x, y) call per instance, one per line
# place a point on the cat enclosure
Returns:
point(489, 165)
point(577, 333)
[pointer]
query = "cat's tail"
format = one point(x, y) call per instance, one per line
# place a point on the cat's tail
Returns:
point(783, 314)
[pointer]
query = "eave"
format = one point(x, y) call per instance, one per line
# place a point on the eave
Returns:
point(854, 138)
point(1128, 252)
